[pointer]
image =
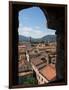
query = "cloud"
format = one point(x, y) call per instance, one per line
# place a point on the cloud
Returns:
point(33, 32)
point(37, 27)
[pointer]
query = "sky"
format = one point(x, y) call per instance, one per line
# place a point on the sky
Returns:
point(33, 23)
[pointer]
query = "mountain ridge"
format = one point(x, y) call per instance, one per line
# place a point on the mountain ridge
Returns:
point(47, 38)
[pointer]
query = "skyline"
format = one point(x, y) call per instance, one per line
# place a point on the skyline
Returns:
point(33, 23)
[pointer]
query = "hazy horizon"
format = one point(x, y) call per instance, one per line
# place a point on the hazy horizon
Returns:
point(34, 37)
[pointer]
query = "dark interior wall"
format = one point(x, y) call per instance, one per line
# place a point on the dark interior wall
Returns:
point(61, 46)
point(14, 44)
point(56, 20)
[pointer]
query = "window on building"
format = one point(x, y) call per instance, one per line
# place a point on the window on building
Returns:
point(39, 77)
point(42, 79)
point(43, 59)
point(53, 61)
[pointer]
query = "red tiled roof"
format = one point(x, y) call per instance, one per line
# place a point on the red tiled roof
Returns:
point(48, 72)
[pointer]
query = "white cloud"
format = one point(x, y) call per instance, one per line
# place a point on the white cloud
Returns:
point(51, 31)
point(34, 32)
point(37, 27)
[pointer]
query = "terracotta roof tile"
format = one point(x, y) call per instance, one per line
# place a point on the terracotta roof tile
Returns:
point(48, 72)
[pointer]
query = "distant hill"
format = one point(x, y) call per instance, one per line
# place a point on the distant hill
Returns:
point(47, 38)
point(23, 38)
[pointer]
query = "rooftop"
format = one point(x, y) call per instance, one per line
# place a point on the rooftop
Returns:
point(36, 61)
point(48, 72)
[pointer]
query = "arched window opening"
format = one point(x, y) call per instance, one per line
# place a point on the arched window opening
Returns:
point(34, 34)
